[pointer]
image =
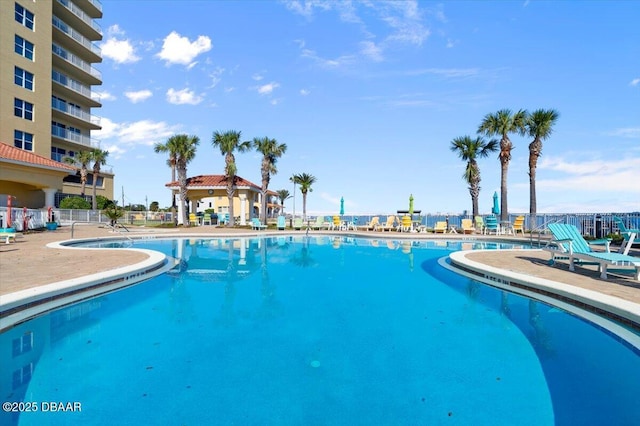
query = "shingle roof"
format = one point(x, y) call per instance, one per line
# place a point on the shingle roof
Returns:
point(210, 181)
point(13, 154)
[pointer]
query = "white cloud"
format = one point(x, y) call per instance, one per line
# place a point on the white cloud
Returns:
point(216, 76)
point(257, 77)
point(267, 89)
point(635, 82)
point(179, 50)
point(184, 96)
point(104, 96)
point(143, 132)
point(139, 96)
point(629, 132)
point(371, 51)
point(304, 92)
point(120, 51)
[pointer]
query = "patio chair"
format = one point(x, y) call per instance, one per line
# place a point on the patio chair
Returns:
point(8, 234)
point(405, 224)
point(281, 223)
point(257, 224)
point(389, 224)
point(569, 244)
point(319, 223)
point(206, 219)
point(467, 226)
point(297, 223)
point(372, 225)
point(518, 225)
point(193, 219)
point(491, 225)
point(440, 227)
point(479, 224)
point(629, 235)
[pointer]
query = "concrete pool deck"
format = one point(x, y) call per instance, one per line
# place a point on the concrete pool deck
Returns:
point(29, 263)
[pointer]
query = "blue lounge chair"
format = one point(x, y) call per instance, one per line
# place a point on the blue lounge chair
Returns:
point(569, 244)
point(281, 223)
point(257, 225)
point(629, 235)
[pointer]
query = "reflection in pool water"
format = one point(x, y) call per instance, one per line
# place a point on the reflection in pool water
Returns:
point(295, 330)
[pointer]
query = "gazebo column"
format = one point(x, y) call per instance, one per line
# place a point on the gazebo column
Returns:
point(243, 208)
point(181, 205)
point(49, 197)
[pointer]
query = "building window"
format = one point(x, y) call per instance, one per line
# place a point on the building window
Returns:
point(57, 154)
point(23, 78)
point(24, 17)
point(23, 140)
point(23, 109)
point(23, 47)
point(58, 103)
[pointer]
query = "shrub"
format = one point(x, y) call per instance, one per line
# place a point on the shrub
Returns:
point(75, 203)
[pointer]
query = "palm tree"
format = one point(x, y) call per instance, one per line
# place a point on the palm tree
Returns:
point(271, 151)
point(228, 142)
point(539, 126)
point(283, 194)
point(185, 150)
point(305, 181)
point(470, 150)
point(82, 160)
point(170, 147)
point(501, 124)
point(99, 158)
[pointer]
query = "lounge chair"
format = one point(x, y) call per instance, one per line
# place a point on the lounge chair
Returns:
point(491, 225)
point(193, 219)
point(479, 224)
point(569, 244)
point(8, 234)
point(405, 225)
point(281, 223)
point(297, 223)
point(206, 219)
point(467, 226)
point(389, 224)
point(629, 235)
point(518, 225)
point(353, 225)
point(319, 223)
point(257, 225)
point(223, 219)
point(372, 225)
point(440, 227)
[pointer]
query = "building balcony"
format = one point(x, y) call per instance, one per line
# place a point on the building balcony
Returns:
point(75, 90)
point(78, 17)
point(91, 7)
point(71, 38)
point(76, 116)
point(73, 137)
point(82, 69)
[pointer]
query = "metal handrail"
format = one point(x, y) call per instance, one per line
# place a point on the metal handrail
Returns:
point(540, 229)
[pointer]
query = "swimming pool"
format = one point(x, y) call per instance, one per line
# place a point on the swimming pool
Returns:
point(296, 330)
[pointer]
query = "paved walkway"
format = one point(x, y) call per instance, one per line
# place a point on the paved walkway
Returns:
point(28, 263)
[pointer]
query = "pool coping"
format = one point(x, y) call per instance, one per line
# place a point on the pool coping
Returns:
point(583, 302)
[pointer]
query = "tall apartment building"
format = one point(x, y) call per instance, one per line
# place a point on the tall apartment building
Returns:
point(47, 77)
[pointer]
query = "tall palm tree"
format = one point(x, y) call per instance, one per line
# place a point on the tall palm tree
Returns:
point(81, 160)
point(305, 181)
point(170, 147)
point(539, 126)
point(185, 151)
point(228, 142)
point(470, 150)
point(99, 158)
point(501, 124)
point(271, 151)
point(283, 194)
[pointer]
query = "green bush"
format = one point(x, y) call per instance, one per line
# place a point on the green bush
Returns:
point(75, 203)
point(103, 202)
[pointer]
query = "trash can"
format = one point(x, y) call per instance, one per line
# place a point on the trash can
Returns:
point(599, 226)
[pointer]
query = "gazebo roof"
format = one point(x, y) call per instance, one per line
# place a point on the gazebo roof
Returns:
point(213, 182)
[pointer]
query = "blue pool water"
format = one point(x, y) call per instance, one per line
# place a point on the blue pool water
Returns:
point(306, 331)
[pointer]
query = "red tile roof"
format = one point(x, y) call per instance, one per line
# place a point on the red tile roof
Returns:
point(13, 154)
point(209, 181)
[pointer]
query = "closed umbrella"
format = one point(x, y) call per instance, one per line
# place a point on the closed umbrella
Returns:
point(341, 206)
point(411, 204)
point(496, 206)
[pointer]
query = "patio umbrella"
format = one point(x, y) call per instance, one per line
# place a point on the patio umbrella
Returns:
point(341, 206)
point(496, 206)
point(411, 204)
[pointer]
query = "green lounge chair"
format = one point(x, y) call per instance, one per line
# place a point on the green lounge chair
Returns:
point(569, 244)
point(297, 223)
point(319, 223)
point(629, 235)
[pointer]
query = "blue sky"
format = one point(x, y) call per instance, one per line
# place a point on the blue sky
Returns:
point(368, 95)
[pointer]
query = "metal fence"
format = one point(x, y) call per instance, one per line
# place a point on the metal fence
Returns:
point(593, 224)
